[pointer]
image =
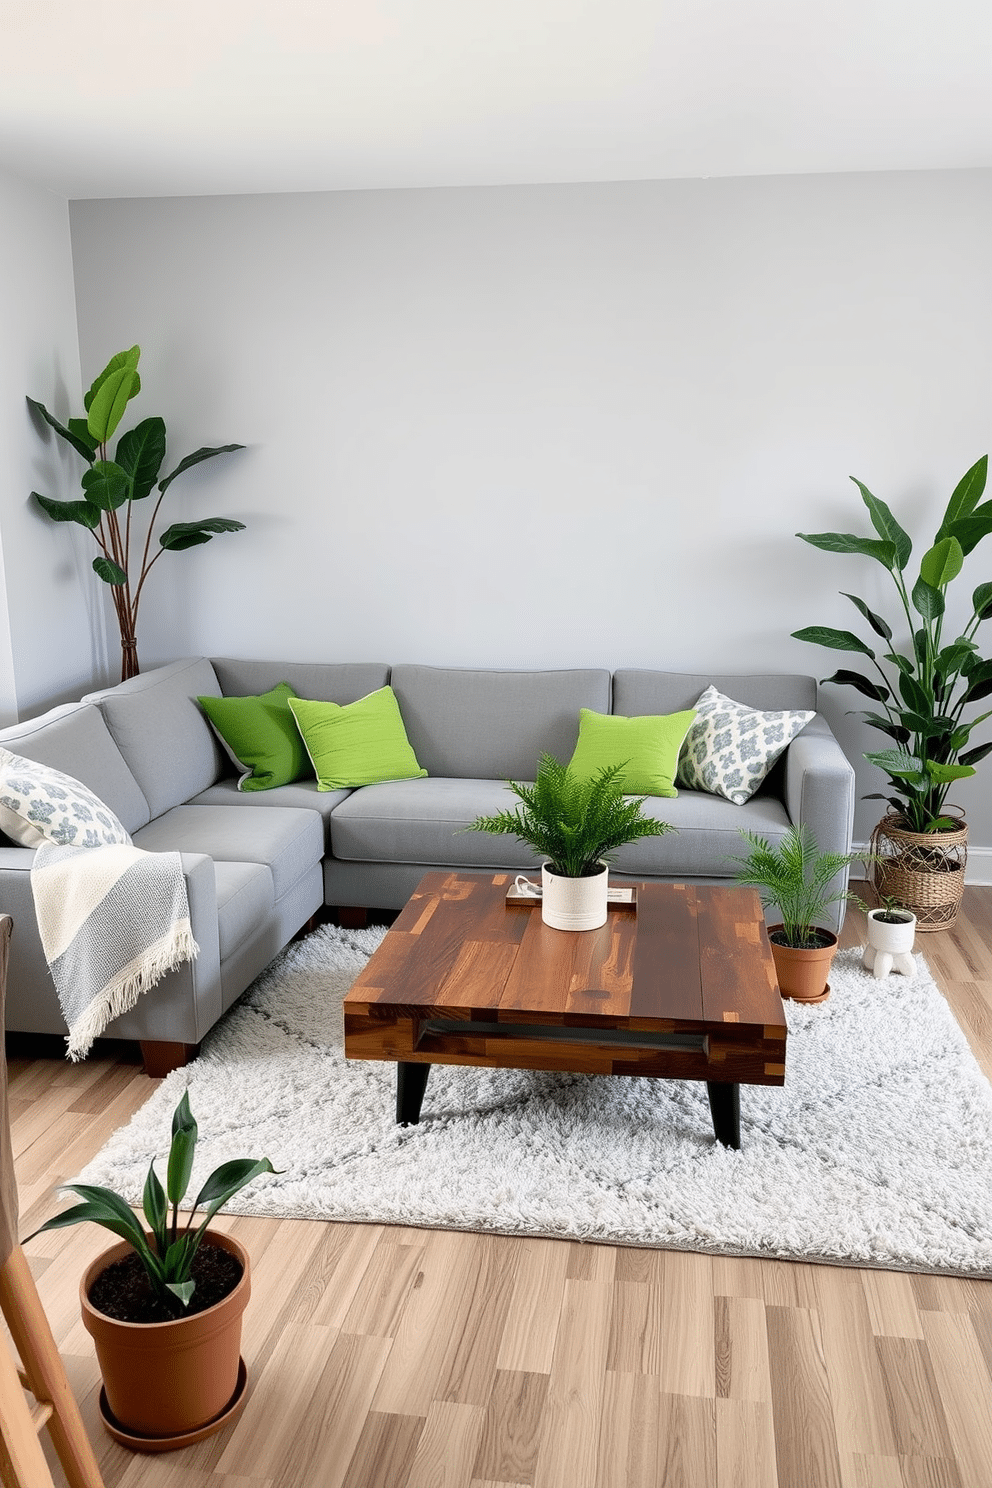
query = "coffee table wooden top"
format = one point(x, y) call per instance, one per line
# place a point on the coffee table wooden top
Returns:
point(689, 960)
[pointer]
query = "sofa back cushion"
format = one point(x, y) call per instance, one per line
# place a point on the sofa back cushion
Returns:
point(636, 691)
point(492, 725)
point(162, 732)
point(75, 739)
point(332, 682)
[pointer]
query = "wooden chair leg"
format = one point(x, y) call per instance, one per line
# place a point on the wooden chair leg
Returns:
point(45, 1373)
point(22, 1462)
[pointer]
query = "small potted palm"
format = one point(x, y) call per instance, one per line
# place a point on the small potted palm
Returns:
point(891, 934)
point(799, 881)
point(576, 825)
point(164, 1308)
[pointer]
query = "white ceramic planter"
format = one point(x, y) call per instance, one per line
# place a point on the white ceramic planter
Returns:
point(890, 946)
point(574, 903)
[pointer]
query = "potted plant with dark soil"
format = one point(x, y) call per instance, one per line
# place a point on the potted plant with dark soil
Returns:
point(925, 682)
point(799, 881)
point(891, 932)
point(164, 1307)
point(576, 825)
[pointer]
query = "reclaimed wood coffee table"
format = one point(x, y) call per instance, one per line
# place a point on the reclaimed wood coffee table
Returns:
point(681, 987)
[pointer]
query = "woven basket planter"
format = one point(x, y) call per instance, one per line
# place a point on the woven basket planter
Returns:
point(922, 871)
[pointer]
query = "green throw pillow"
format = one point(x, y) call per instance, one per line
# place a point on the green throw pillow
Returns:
point(261, 736)
point(650, 746)
point(359, 743)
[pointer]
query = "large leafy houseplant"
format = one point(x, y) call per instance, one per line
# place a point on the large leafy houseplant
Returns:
point(169, 1253)
point(575, 824)
point(111, 486)
point(925, 689)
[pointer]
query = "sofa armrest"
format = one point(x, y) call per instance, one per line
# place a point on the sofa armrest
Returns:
point(820, 792)
point(181, 1008)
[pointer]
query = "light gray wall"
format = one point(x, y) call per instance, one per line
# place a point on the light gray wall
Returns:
point(50, 649)
point(550, 425)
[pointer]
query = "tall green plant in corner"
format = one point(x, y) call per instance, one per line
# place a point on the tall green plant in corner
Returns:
point(925, 691)
point(111, 486)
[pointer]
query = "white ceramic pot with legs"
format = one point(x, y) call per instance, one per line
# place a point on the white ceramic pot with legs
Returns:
point(890, 943)
point(574, 903)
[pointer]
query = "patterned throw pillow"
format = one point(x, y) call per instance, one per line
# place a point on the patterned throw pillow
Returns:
point(39, 803)
point(730, 748)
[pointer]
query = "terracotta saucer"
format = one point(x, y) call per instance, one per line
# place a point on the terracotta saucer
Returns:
point(139, 1443)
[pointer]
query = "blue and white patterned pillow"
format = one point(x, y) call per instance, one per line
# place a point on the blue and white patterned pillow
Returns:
point(730, 748)
point(39, 803)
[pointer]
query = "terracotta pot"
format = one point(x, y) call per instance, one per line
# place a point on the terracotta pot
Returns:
point(802, 973)
point(574, 903)
point(167, 1379)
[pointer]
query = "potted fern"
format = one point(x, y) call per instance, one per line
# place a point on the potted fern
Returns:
point(164, 1307)
point(799, 881)
point(576, 825)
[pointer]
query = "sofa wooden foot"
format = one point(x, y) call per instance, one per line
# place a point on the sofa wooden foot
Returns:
point(352, 916)
point(160, 1058)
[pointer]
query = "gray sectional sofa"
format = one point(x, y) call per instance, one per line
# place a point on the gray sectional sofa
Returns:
point(259, 865)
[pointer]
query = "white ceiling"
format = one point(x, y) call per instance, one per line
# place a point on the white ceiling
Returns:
point(184, 97)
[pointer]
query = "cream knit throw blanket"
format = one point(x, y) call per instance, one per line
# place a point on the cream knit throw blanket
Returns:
point(113, 920)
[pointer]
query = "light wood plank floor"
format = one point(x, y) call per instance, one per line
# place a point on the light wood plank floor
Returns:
point(419, 1359)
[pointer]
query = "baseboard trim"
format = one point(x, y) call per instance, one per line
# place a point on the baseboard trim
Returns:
point(978, 872)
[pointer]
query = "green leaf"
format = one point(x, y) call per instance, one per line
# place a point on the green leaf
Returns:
point(862, 684)
point(982, 600)
point(106, 485)
point(83, 512)
point(181, 1153)
point(972, 756)
point(226, 1180)
point(140, 452)
point(81, 429)
point(944, 774)
point(899, 763)
point(942, 563)
point(109, 572)
point(878, 625)
point(886, 525)
point(110, 399)
point(883, 551)
point(183, 1290)
point(103, 1207)
point(886, 726)
point(927, 601)
point(969, 531)
point(965, 496)
point(183, 535)
point(195, 459)
point(155, 1208)
point(913, 695)
point(837, 640)
point(84, 447)
point(902, 662)
point(122, 360)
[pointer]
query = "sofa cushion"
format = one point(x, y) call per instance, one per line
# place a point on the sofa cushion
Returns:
point(332, 682)
point(302, 794)
point(160, 730)
point(40, 804)
point(245, 896)
point(261, 736)
point(474, 724)
point(74, 738)
point(287, 841)
point(639, 691)
point(423, 821)
point(707, 835)
point(646, 748)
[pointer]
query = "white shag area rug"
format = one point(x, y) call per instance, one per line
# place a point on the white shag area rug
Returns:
point(877, 1151)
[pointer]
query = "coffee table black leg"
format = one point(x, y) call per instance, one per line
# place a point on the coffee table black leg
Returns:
point(725, 1108)
point(411, 1082)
